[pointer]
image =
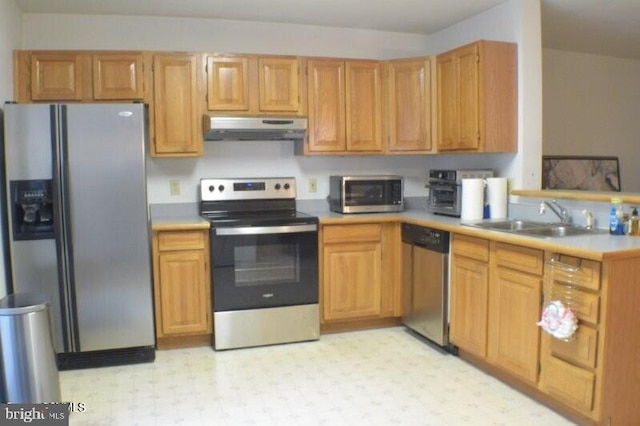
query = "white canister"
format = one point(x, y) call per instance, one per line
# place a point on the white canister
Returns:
point(472, 199)
point(497, 197)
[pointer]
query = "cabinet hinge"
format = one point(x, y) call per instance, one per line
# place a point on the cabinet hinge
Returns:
point(478, 135)
point(477, 58)
point(539, 369)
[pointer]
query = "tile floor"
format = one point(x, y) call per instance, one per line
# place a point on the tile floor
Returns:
point(376, 377)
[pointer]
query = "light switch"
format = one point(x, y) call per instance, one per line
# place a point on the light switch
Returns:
point(174, 187)
point(313, 185)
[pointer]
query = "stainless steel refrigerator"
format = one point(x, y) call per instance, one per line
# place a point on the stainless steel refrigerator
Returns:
point(77, 226)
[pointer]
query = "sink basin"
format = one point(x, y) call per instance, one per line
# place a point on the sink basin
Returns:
point(511, 225)
point(556, 231)
point(536, 229)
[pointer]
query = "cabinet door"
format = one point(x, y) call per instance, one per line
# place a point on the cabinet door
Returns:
point(468, 114)
point(56, 77)
point(409, 101)
point(117, 76)
point(352, 280)
point(227, 83)
point(514, 309)
point(278, 81)
point(326, 131)
point(363, 105)
point(177, 116)
point(447, 102)
point(469, 299)
point(183, 295)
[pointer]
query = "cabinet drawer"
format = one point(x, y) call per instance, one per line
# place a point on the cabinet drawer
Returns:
point(474, 248)
point(588, 275)
point(351, 233)
point(569, 384)
point(519, 258)
point(586, 305)
point(581, 350)
point(182, 240)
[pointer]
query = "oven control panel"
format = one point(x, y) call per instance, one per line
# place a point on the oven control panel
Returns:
point(227, 189)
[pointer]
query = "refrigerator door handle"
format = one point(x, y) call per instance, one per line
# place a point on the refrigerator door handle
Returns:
point(63, 226)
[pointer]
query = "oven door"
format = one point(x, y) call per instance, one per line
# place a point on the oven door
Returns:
point(264, 267)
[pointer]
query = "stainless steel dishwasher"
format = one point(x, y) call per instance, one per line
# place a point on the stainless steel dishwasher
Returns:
point(425, 256)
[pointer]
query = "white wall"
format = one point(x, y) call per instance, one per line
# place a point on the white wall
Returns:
point(10, 26)
point(506, 22)
point(592, 107)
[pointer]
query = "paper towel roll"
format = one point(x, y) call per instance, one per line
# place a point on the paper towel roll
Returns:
point(472, 199)
point(497, 197)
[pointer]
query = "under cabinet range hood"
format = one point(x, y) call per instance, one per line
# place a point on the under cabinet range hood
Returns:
point(254, 128)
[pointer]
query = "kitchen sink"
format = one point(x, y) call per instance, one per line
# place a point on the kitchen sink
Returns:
point(537, 229)
point(510, 225)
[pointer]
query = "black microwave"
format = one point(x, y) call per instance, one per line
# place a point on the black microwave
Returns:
point(366, 194)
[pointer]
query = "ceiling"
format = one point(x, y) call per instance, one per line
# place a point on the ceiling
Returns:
point(606, 27)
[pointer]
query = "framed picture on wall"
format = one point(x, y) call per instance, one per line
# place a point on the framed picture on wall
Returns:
point(581, 173)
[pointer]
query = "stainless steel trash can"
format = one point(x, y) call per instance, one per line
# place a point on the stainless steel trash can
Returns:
point(26, 349)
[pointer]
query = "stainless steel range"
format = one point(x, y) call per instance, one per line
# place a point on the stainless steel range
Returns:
point(264, 257)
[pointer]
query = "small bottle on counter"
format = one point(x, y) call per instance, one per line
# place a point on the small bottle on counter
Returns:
point(616, 225)
point(634, 223)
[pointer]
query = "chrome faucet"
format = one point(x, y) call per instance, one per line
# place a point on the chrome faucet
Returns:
point(557, 209)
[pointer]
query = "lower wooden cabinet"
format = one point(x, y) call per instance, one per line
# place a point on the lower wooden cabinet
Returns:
point(515, 286)
point(358, 278)
point(182, 285)
point(469, 293)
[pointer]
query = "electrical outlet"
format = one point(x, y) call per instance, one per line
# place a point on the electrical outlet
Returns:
point(313, 185)
point(174, 187)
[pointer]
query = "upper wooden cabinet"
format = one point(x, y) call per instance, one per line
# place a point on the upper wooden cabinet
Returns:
point(345, 107)
point(78, 76)
point(477, 98)
point(254, 85)
point(409, 103)
point(117, 76)
point(177, 112)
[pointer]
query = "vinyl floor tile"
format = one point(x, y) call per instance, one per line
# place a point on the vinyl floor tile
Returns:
point(375, 377)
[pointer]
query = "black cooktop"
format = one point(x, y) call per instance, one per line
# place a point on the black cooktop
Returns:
point(255, 218)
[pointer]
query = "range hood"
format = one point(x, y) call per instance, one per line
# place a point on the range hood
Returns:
point(254, 128)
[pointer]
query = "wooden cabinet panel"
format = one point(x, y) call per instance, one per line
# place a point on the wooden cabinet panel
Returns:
point(519, 258)
point(352, 233)
point(568, 384)
point(56, 76)
point(352, 274)
point(177, 115)
point(409, 105)
point(469, 303)
point(471, 247)
point(181, 240)
point(477, 98)
point(580, 350)
point(228, 83)
point(363, 106)
point(117, 76)
point(468, 112)
point(326, 131)
point(183, 293)
point(278, 81)
point(514, 309)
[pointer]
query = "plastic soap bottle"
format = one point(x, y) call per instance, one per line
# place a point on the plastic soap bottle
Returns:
point(615, 217)
point(634, 223)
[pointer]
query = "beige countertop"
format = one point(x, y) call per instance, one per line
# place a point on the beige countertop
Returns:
point(595, 246)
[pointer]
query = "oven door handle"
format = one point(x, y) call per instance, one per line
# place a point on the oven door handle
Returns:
point(258, 230)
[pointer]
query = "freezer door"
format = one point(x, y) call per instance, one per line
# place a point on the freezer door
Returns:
point(106, 212)
point(29, 138)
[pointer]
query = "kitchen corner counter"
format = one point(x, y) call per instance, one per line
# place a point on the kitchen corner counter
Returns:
point(595, 247)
